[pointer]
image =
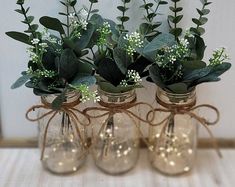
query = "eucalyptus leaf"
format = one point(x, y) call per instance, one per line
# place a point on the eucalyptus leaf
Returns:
point(179, 88)
point(157, 43)
point(67, 64)
point(122, 59)
point(21, 81)
point(24, 38)
point(52, 23)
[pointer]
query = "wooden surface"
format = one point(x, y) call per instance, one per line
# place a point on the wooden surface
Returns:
point(22, 168)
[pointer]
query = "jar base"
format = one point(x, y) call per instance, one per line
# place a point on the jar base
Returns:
point(68, 171)
point(115, 173)
point(173, 174)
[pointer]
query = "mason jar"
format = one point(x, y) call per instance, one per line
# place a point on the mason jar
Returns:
point(115, 142)
point(63, 142)
point(174, 141)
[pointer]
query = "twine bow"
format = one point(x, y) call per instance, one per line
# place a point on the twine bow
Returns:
point(67, 108)
point(187, 109)
point(111, 109)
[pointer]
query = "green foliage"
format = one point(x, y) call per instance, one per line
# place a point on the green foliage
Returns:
point(123, 18)
point(114, 58)
point(57, 65)
point(151, 48)
point(202, 20)
point(150, 28)
point(175, 18)
point(181, 73)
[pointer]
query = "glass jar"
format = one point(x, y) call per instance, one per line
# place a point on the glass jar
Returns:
point(174, 142)
point(115, 143)
point(63, 145)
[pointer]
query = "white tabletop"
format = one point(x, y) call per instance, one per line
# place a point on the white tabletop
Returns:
point(22, 168)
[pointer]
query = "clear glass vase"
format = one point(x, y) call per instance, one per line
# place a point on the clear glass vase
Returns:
point(115, 143)
point(64, 144)
point(174, 142)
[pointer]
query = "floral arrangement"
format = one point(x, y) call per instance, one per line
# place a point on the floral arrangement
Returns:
point(58, 63)
point(122, 57)
point(116, 59)
point(178, 67)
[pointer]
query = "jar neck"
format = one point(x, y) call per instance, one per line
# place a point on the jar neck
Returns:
point(117, 98)
point(176, 99)
point(69, 96)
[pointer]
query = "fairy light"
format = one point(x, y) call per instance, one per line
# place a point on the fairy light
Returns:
point(172, 149)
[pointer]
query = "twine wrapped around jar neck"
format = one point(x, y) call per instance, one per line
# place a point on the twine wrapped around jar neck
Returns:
point(69, 109)
point(185, 109)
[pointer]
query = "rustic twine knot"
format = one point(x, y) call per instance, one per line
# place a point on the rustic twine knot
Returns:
point(110, 109)
point(185, 109)
point(67, 108)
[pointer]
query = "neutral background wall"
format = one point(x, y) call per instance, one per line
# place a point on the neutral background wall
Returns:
point(13, 58)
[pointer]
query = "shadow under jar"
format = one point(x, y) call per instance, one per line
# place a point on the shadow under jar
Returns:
point(174, 142)
point(115, 144)
point(65, 144)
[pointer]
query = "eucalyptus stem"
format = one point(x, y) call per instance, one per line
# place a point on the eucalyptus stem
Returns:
point(26, 19)
point(93, 53)
point(75, 11)
point(201, 15)
point(89, 12)
point(67, 9)
point(123, 14)
point(147, 10)
point(150, 20)
point(175, 24)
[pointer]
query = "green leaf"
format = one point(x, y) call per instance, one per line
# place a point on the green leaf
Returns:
point(73, 2)
point(200, 47)
point(108, 69)
point(21, 81)
point(82, 78)
point(34, 27)
point(85, 38)
point(198, 73)
point(58, 101)
point(19, 11)
point(162, 40)
point(108, 87)
point(93, 1)
point(122, 59)
point(52, 23)
point(163, 3)
point(67, 64)
point(20, 2)
point(176, 32)
point(122, 8)
point(192, 65)
point(24, 38)
point(219, 69)
point(154, 73)
point(30, 19)
point(123, 19)
point(179, 88)
point(178, 9)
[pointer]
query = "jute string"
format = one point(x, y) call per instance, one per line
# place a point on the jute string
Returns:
point(185, 109)
point(67, 108)
point(110, 109)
